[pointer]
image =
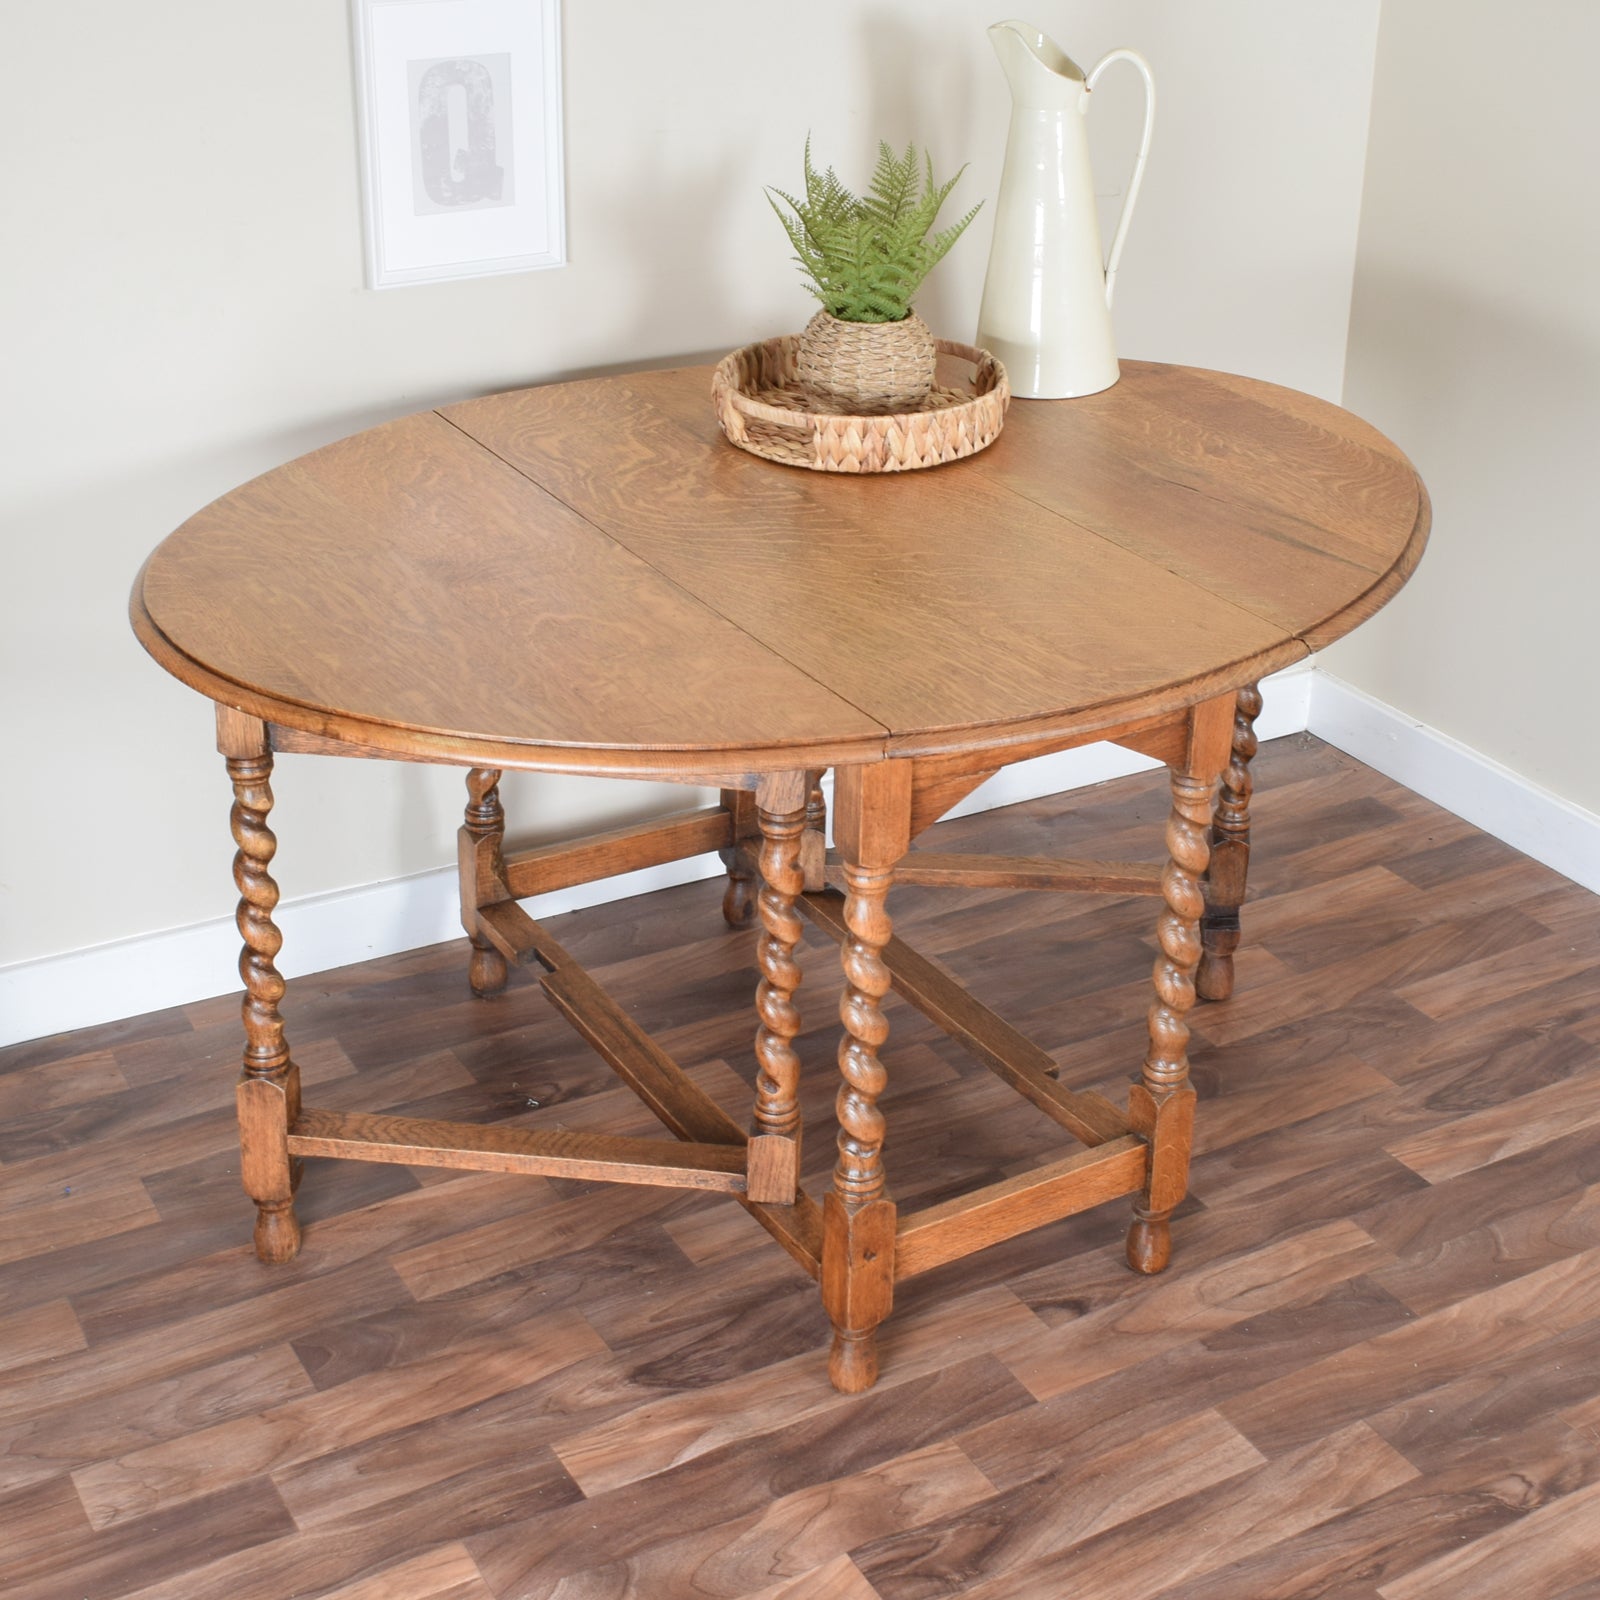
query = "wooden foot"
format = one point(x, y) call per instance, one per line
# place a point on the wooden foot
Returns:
point(269, 1085)
point(1149, 1243)
point(873, 826)
point(739, 898)
point(774, 1149)
point(482, 838)
point(1161, 1104)
point(853, 1361)
point(486, 971)
point(277, 1233)
point(1230, 856)
point(857, 1286)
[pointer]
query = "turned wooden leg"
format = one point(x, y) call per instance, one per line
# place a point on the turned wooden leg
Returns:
point(814, 841)
point(739, 898)
point(858, 1217)
point(1230, 856)
point(483, 831)
point(269, 1086)
point(873, 826)
point(774, 1150)
point(1161, 1105)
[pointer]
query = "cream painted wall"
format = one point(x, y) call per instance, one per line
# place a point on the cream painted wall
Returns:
point(1475, 340)
point(183, 308)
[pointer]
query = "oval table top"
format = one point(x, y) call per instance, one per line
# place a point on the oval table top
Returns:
point(586, 577)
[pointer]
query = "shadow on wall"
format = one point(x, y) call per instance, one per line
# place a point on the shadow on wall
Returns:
point(673, 224)
point(1457, 360)
point(1498, 409)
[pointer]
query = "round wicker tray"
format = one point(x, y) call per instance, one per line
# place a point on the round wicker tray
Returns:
point(764, 410)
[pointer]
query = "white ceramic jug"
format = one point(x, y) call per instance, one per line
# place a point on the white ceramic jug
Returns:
point(1047, 298)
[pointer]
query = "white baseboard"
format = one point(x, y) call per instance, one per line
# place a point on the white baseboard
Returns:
point(1442, 769)
point(153, 971)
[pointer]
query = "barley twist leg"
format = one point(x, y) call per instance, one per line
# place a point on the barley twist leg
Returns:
point(858, 1217)
point(269, 1085)
point(739, 897)
point(483, 833)
point(814, 841)
point(774, 1153)
point(1162, 1104)
point(1230, 855)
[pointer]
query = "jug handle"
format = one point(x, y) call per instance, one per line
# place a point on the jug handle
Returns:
point(1139, 160)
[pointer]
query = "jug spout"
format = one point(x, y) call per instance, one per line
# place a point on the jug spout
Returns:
point(1041, 74)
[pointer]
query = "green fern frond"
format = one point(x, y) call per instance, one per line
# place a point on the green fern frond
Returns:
point(939, 244)
point(864, 257)
point(893, 187)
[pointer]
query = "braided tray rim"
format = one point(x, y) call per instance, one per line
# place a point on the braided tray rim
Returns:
point(765, 411)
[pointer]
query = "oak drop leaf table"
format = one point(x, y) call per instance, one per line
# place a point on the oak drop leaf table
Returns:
point(586, 578)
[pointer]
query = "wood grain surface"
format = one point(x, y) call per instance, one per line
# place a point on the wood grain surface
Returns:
point(1373, 1369)
point(586, 576)
point(935, 601)
point(403, 577)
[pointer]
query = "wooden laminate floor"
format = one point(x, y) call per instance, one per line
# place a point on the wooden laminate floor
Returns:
point(1372, 1370)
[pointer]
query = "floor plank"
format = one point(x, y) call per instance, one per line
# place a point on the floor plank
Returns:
point(1541, 1553)
point(792, 1538)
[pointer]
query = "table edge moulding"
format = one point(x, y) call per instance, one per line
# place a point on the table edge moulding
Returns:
point(585, 578)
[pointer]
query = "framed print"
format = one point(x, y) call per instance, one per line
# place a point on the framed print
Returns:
point(460, 117)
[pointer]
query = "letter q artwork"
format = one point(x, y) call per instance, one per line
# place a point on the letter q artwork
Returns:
point(461, 137)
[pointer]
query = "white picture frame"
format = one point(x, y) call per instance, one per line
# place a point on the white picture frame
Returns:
point(459, 112)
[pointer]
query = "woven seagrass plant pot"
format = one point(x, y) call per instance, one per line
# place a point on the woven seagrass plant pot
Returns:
point(866, 369)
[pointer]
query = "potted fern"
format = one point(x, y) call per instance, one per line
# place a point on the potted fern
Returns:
point(866, 352)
